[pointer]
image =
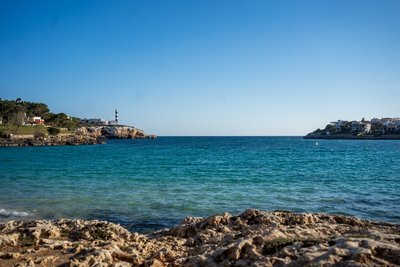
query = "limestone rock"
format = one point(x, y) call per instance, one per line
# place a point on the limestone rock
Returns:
point(253, 238)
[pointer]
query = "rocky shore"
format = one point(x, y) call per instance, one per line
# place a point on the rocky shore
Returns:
point(60, 140)
point(114, 132)
point(82, 136)
point(253, 238)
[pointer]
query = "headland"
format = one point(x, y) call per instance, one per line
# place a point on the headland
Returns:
point(374, 129)
point(32, 124)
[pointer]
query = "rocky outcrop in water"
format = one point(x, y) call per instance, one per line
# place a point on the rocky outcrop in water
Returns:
point(122, 132)
point(59, 140)
point(115, 132)
point(253, 238)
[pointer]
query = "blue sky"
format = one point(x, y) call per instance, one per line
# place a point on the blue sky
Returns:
point(205, 67)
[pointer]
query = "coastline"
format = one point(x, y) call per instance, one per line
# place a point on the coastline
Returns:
point(82, 136)
point(61, 140)
point(352, 137)
point(252, 238)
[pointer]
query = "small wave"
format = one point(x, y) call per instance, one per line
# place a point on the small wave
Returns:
point(13, 213)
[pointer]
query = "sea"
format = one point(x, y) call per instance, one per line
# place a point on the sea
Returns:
point(146, 185)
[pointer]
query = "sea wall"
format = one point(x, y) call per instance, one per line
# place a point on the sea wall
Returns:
point(252, 238)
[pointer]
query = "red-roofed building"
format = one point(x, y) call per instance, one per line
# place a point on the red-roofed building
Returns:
point(38, 121)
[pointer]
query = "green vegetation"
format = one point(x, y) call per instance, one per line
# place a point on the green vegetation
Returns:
point(18, 112)
point(15, 129)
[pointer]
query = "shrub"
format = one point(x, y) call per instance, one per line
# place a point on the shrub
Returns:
point(2, 134)
point(53, 130)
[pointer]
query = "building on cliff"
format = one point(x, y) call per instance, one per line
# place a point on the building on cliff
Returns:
point(101, 122)
point(360, 127)
point(95, 121)
point(338, 124)
point(375, 127)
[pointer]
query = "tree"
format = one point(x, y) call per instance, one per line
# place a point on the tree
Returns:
point(330, 128)
point(346, 128)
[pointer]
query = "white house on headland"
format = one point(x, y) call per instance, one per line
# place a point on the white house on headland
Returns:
point(112, 122)
point(339, 124)
point(383, 126)
point(390, 125)
point(361, 127)
point(353, 126)
point(97, 121)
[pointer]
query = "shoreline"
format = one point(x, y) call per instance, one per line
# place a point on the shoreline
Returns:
point(251, 238)
point(82, 136)
point(61, 140)
point(352, 137)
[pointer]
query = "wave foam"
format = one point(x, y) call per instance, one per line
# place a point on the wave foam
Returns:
point(13, 213)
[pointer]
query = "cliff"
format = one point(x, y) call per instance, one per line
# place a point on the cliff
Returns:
point(253, 238)
point(114, 132)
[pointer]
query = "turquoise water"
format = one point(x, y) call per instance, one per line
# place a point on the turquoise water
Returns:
point(149, 184)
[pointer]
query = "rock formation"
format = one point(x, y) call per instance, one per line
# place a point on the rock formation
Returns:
point(114, 132)
point(59, 140)
point(253, 238)
point(122, 132)
point(82, 136)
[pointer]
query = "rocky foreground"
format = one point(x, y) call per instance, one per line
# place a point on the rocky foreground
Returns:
point(253, 238)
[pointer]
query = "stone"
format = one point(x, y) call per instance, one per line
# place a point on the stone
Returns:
point(252, 238)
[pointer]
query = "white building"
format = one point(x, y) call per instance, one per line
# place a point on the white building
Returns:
point(95, 121)
point(112, 122)
point(390, 126)
point(361, 127)
point(338, 124)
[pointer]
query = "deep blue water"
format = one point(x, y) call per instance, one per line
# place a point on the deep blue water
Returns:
point(149, 184)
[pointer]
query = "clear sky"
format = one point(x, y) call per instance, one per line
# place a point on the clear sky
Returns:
point(205, 67)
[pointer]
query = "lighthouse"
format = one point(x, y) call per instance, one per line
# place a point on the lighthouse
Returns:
point(116, 116)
